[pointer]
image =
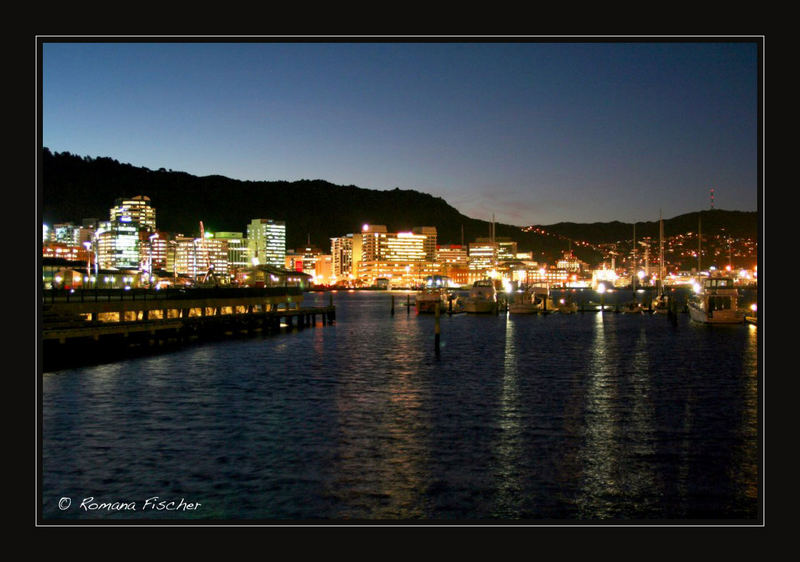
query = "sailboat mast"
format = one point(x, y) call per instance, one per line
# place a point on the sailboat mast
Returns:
point(699, 243)
point(661, 268)
point(633, 275)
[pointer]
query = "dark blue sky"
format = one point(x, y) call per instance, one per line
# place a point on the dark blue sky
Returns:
point(534, 133)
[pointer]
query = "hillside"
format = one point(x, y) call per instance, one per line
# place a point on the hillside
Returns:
point(74, 188)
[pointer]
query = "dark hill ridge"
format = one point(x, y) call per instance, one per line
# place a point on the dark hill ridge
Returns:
point(77, 187)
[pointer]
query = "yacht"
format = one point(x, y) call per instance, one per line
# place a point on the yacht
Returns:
point(716, 302)
point(567, 305)
point(433, 291)
point(482, 297)
point(525, 302)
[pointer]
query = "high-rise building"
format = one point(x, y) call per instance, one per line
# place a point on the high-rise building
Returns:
point(119, 242)
point(342, 256)
point(238, 252)
point(135, 210)
point(395, 255)
point(453, 255)
point(197, 257)
point(118, 245)
point(430, 240)
point(266, 242)
point(506, 249)
point(482, 254)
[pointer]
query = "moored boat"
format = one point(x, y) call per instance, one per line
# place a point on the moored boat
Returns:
point(716, 302)
point(434, 291)
point(525, 302)
point(566, 306)
point(482, 297)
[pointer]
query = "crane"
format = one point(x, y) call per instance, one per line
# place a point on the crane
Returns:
point(207, 265)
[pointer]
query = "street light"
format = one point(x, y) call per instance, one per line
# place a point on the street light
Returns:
point(88, 245)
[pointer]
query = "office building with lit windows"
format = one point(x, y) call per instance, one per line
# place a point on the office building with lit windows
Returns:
point(398, 256)
point(122, 241)
point(198, 257)
point(266, 242)
point(238, 251)
point(135, 210)
point(430, 240)
point(342, 256)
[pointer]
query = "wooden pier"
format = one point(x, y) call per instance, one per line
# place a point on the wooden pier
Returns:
point(98, 322)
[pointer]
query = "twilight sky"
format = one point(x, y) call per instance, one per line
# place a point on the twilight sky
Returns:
point(536, 132)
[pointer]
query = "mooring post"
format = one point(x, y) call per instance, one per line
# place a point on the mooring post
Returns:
point(437, 328)
point(392, 305)
point(408, 304)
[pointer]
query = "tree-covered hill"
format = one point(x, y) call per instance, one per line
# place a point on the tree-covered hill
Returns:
point(75, 187)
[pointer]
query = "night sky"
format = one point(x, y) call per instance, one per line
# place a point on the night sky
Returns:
point(532, 132)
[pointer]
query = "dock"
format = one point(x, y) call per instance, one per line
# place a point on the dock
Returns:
point(108, 321)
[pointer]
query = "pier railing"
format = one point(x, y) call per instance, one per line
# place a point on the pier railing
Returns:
point(52, 296)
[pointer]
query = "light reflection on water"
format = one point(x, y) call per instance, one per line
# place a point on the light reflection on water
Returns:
point(582, 417)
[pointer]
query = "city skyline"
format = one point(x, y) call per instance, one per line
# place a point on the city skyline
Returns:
point(504, 129)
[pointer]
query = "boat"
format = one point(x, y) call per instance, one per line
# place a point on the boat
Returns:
point(660, 304)
point(716, 302)
point(434, 291)
point(751, 317)
point(566, 306)
point(525, 302)
point(631, 307)
point(482, 297)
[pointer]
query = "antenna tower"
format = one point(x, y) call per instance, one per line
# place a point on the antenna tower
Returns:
point(711, 193)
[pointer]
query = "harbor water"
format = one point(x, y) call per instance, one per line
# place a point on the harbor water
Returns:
point(588, 417)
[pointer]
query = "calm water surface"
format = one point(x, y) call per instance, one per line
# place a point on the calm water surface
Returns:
point(586, 417)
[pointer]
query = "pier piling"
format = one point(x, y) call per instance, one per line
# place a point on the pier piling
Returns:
point(437, 328)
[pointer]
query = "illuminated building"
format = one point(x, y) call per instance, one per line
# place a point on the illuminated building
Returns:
point(569, 263)
point(430, 240)
point(266, 242)
point(552, 277)
point(136, 210)
point(323, 270)
point(482, 255)
point(454, 262)
point(304, 261)
point(155, 247)
point(392, 255)
point(66, 233)
point(238, 251)
point(67, 252)
point(452, 255)
point(196, 257)
point(342, 255)
point(403, 247)
point(118, 246)
point(506, 249)
point(122, 240)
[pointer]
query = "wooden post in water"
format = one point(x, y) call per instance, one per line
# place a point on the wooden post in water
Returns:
point(408, 304)
point(437, 328)
point(392, 305)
